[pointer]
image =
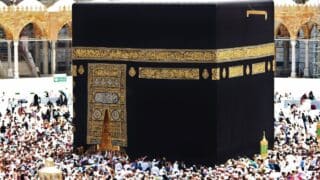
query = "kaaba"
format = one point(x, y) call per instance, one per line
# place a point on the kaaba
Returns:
point(183, 80)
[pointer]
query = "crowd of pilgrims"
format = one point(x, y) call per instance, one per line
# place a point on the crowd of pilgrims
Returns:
point(40, 127)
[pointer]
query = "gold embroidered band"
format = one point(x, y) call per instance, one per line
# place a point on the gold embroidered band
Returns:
point(174, 55)
point(169, 73)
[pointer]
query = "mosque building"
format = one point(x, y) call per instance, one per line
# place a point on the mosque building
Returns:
point(127, 90)
point(297, 38)
point(35, 38)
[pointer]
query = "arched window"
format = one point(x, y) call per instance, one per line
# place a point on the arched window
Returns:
point(315, 50)
point(31, 50)
point(2, 33)
point(4, 63)
point(282, 44)
point(63, 60)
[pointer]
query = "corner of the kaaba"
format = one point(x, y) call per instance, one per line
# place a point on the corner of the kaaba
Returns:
point(245, 111)
point(80, 104)
point(173, 80)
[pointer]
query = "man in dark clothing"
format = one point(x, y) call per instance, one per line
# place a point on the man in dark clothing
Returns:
point(63, 100)
point(46, 115)
point(35, 100)
point(311, 96)
point(304, 118)
point(3, 128)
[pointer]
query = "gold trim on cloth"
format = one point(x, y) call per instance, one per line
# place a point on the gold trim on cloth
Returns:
point(258, 68)
point(270, 68)
point(81, 70)
point(215, 73)
point(274, 65)
point(169, 73)
point(174, 55)
point(107, 94)
point(247, 70)
point(205, 74)
point(224, 73)
point(257, 12)
point(235, 71)
point(74, 70)
point(132, 72)
point(238, 71)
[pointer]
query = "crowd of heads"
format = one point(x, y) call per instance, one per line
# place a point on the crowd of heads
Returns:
point(40, 127)
point(32, 129)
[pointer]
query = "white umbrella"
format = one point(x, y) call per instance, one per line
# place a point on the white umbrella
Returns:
point(50, 172)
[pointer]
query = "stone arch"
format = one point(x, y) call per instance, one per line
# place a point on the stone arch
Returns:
point(276, 27)
point(282, 45)
point(38, 30)
point(7, 32)
point(314, 45)
point(4, 52)
point(58, 25)
point(63, 49)
point(302, 32)
point(306, 29)
point(69, 30)
point(69, 24)
point(315, 27)
point(30, 47)
point(41, 32)
point(282, 31)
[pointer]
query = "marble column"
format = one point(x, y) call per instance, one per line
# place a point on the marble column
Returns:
point(293, 58)
point(286, 48)
point(53, 57)
point(16, 59)
point(45, 57)
point(10, 73)
point(306, 60)
point(36, 58)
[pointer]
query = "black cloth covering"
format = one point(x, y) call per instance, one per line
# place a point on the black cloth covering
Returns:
point(197, 121)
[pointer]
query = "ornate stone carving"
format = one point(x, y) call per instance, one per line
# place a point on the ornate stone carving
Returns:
point(48, 24)
point(295, 17)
